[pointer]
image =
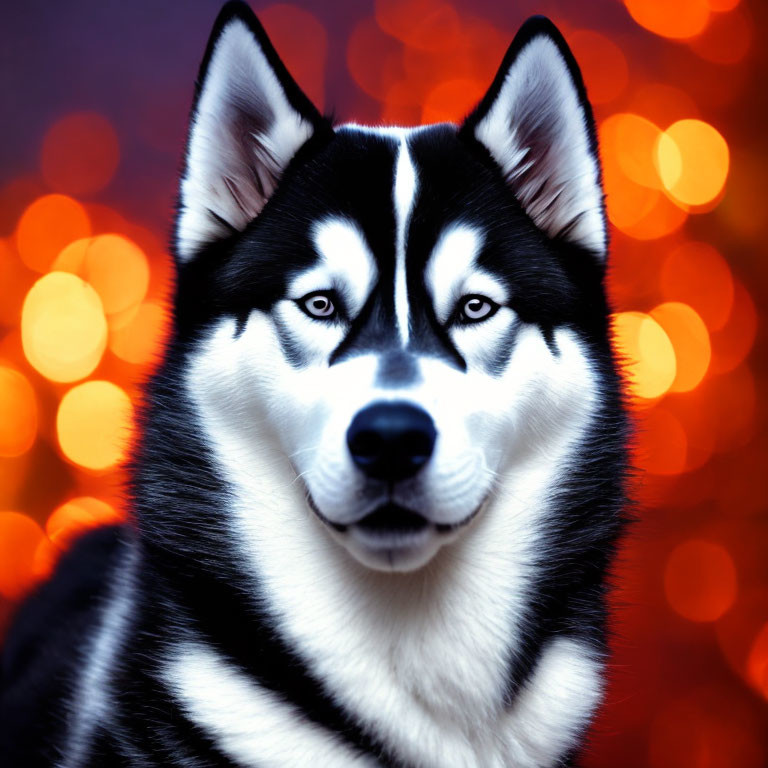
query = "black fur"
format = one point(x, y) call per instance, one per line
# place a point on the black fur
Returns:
point(187, 578)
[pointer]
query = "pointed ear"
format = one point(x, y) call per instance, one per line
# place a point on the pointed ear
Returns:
point(537, 125)
point(249, 119)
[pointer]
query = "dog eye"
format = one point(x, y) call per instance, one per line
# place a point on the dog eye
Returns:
point(475, 309)
point(319, 305)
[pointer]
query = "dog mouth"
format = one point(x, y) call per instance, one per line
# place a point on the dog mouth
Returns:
point(393, 537)
point(391, 519)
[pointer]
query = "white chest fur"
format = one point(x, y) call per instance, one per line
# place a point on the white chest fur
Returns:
point(420, 659)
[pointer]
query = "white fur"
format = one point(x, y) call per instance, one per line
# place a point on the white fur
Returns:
point(346, 263)
point(404, 196)
point(240, 85)
point(420, 657)
point(91, 705)
point(536, 130)
point(248, 723)
point(452, 270)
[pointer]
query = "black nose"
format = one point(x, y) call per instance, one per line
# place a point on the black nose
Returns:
point(391, 441)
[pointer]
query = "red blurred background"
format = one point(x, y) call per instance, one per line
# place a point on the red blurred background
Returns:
point(96, 99)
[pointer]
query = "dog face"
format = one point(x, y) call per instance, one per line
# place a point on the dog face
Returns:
point(408, 317)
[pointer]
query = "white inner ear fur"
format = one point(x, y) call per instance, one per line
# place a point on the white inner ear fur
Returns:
point(536, 131)
point(243, 134)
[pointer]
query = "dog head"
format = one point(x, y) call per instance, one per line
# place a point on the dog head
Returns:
point(405, 316)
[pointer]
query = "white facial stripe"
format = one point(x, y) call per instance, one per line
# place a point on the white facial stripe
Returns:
point(452, 270)
point(406, 185)
point(347, 264)
point(247, 722)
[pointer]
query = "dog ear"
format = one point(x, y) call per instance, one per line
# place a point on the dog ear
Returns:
point(537, 125)
point(249, 118)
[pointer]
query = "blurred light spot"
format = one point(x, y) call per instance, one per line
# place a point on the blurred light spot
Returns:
point(696, 419)
point(693, 161)
point(47, 225)
point(15, 280)
point(732, 343)
point(627, 146)
point(700, 580)
point(602, 64)
point(15, 196)
point(402, 106)
point(726, 40)
point(18, 413)
point(303, 44)
point(14, 475)
point(139, 340)
point(713, 727)
point(632, 140)
point(451, 101)
point(678, 20)
point(689, 337)
point(77, 516)
point(63, 329)
point(374, 60)
point(662, 103)
point(72, 257)
point(734, 398)
point(93, 424)
point(722, 5)
point(698, 275)
point(662, 218)
point(757, 662)
point(118, 271)
point(742, 209)
point(80, 154)
point(402, 19)
point(439, 29)
point(662, 445)
point(19, 537)
point(646, 352)
point(46, 556)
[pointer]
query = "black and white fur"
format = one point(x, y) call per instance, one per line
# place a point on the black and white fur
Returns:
point(250, 617)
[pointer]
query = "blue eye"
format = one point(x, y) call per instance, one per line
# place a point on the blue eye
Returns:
point(318, 305)
point(475, 308)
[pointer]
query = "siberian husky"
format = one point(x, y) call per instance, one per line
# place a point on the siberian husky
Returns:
point(381, 470)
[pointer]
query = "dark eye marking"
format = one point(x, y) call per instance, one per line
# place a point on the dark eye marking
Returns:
point(319, 305)
point(474, 308)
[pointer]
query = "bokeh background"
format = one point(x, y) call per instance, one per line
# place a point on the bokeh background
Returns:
point(95, 98)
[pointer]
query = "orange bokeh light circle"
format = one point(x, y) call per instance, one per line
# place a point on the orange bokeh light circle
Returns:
point(678, 20)
point(75, 517)
point(93, 424)
point(602, 63)
point(693, 162)
point(700, 580)
point(63, 329)
point(47, 225)
point(647, 354)
point(19, 539)
point(662, 444)
point(18, 413)
point(634, 201)
point(138, 341)
point(697, 274)
point(80, 153)
point(451, 100)
point(757, 662)
point(689, 337)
